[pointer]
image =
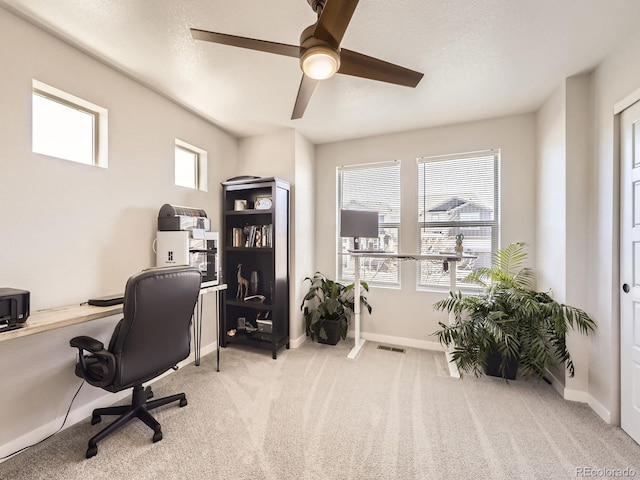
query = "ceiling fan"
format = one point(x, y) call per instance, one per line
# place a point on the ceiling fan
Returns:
point(320, 53)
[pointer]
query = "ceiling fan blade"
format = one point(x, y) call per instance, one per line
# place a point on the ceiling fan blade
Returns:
point(334, 20)
point(244, 42)
point(359, 65)
point(307, 87)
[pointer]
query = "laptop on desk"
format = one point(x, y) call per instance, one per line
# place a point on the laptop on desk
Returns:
point(107, 301)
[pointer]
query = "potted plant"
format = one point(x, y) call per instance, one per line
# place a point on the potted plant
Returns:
point(509, 324)
point(328, 306)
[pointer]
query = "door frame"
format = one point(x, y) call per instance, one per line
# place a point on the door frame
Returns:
point(618, 108)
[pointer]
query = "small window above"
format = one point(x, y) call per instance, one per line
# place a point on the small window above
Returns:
point(190, 166)
point(68, 127)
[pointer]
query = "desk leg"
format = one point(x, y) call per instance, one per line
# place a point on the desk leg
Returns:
point(220, 324)
point(197, 330)
point(359, 342)
point(453, 272)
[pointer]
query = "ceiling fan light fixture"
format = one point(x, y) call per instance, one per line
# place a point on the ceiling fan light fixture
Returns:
point(320, 62)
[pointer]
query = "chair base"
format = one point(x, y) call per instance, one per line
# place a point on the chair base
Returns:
point(140, 406)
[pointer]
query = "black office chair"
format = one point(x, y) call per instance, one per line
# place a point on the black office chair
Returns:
point(153, 337)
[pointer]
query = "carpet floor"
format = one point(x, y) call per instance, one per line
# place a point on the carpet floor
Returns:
point(314, 414)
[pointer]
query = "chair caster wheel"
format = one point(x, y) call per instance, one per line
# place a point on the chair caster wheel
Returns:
point(95, 419)
point(157, 437)
point(183, 402)
point(92, 451)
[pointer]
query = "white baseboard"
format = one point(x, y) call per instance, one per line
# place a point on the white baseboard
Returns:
point(600, 409)
point(296, 342)
point(83, 412)
point(580, 396)
point(76, 415)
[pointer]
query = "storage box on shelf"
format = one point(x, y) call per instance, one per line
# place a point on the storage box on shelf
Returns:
point(256, 263)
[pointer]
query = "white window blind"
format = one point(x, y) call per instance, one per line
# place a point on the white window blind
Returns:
point(371, 187)
point(457, 195)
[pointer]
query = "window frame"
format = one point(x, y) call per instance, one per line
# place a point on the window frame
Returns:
point(493, 224)
point(340, 253)
point(100, 121)
point(200, 164)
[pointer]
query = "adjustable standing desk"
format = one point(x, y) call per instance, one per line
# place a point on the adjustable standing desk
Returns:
point(452, 258)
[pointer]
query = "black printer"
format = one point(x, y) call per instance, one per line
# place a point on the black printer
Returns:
point(14, 308)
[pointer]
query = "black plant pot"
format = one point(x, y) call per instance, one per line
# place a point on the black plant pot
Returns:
point(332, 329)
point(494, 360)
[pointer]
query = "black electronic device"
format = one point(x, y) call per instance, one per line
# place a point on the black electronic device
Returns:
point(107, 301)
point(359, 223)
point(14, 308)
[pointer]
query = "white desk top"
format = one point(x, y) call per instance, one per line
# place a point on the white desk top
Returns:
point(50, 319)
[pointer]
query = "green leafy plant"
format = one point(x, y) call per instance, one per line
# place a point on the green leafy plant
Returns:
point(511, 319)
point(330, 300)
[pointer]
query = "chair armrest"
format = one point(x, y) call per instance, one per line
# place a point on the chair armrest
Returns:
point(87, 343)
point(101, 369)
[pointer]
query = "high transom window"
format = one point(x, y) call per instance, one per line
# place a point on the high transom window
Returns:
point(67, 127)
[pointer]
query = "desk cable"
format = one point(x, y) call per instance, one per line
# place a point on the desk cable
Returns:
point(388, 259)
point(47, 438)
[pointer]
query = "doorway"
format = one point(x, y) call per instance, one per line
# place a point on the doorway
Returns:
point(630, 271)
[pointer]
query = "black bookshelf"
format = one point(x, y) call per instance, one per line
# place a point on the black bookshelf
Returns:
point(256, 236)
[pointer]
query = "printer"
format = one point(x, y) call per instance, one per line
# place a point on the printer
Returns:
point(185, 238)
point(14, 308)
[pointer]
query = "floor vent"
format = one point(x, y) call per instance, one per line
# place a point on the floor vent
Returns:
point(391, 349)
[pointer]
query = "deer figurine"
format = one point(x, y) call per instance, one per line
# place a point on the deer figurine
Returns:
point(243, 284)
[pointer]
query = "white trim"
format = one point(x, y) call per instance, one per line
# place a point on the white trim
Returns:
point(580, 396)
point(296, 342)
point(201, 164)
point(75, 415)
point(84, 411)
point(600, 409)
point(566, 393)
point(626, 102)
point(576, 395)
point(100, 114)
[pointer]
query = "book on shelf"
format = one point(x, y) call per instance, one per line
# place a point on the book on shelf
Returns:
point(239, 239)
point(258, 236)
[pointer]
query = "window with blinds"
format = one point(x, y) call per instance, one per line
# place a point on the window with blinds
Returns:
point(371, 187)
point(458, 197)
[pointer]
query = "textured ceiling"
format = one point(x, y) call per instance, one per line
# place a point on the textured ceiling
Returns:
point(481, 58)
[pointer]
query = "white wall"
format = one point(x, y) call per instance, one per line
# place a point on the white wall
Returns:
point(563, 167)
point(406, 316)
point(288, 155)
point(73, 231)
point(305, 234)
point(586, 106)
point(551, 190)
point(579, 160)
